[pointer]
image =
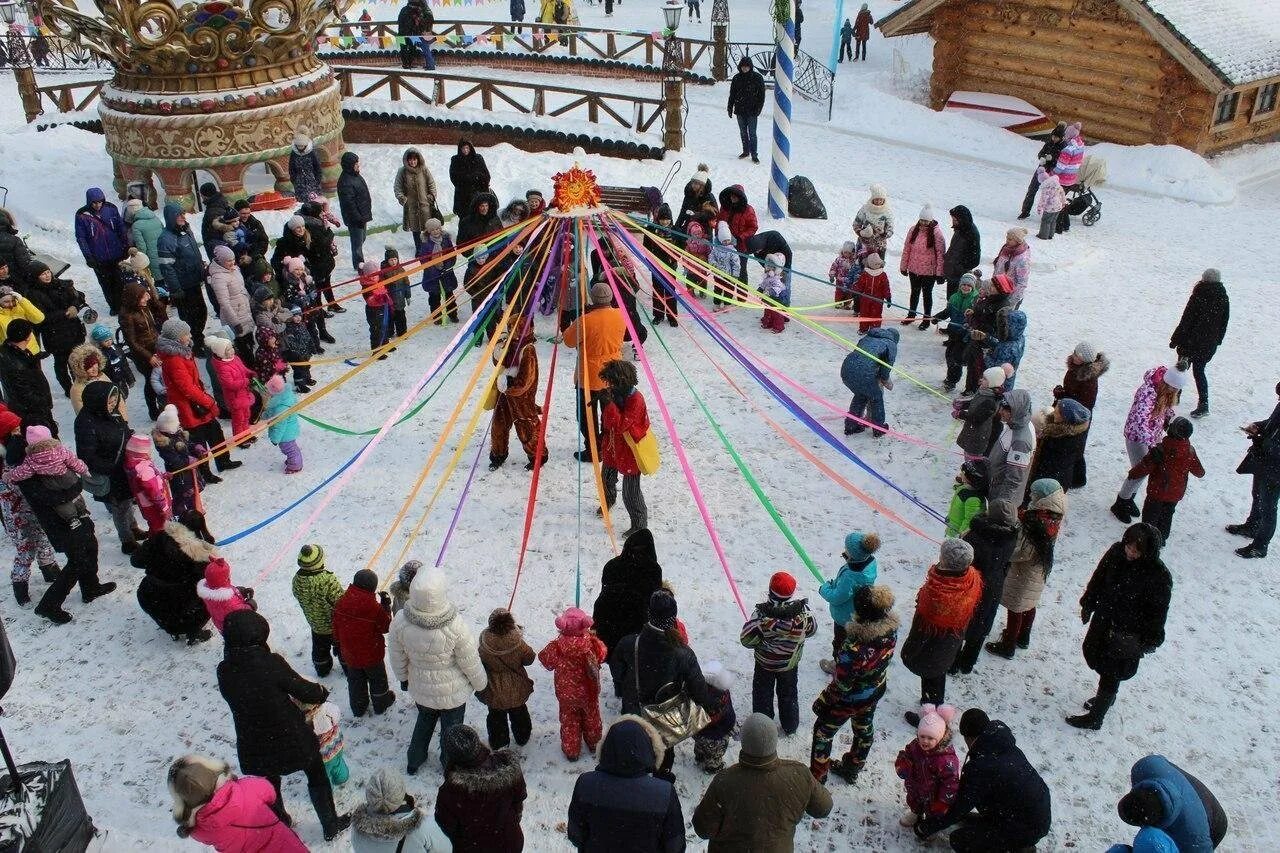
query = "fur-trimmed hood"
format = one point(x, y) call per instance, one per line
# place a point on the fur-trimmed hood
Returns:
point(500, 771)
point(631, 747)
point(189, 544)
point(77, 361)
point(500, 644)
point(1091, 370)
point(876, 628)
point(385, 827)
point(1048, 426)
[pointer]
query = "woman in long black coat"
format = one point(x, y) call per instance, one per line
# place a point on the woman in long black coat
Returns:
point(469, 176)
point(993, 534)
point(964, 250)
point(698, 205)
point(626, 583)
point(174, 563)
point(1125, 606)
point(62, 330)
point(101, 433)
point(273, 737)
point(1201, 330)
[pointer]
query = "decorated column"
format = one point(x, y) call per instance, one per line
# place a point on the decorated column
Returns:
point(784, 13)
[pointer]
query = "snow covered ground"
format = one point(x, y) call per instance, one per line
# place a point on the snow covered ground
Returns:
point(121, 700)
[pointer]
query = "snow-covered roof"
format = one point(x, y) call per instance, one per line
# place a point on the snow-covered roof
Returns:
point(1238, 39)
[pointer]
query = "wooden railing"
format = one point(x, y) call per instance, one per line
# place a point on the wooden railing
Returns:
point(448, 91)
point(65, 97)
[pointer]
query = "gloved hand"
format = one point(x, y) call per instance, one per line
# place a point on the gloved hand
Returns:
point(385, 600)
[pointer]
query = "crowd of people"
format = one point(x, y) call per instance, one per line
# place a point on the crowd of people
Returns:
point(270, 301)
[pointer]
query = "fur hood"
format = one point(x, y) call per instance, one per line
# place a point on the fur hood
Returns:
point(189, 544)
point(504, 644)
point(497, 773)
point(1087, 372)
point(623, 755)
point(875, 629)
point(385, 827)
point(208, 593)
point(429, 621)
point(76, 361)
point(1055, 503)
point(1048, 426)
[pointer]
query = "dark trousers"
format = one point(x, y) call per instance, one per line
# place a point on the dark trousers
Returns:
point(60, 371)
point(846, 49)
point(379, 320)
point(921, 286)
point(1262, 512)
point(1160, 514)
point(210, 435)
point(316, 325)
point(933, 689)
point(593, 406)
point(108, 275)
point(193, 311)
point(764, 683)
point(420, 740)
point(983, 835)
point(399, 323)
point(860, 49)
point(436, 294)
point(323, 650)
point(838, 636)
point(357, 233)
point(368, 684)
point(1202, 381)
point(148, 393)
point(81, 567)
point(1030, 198)
point(954, 354)
point(318, 787)
point(503, 725)
point(747, 133)
point(324, 286)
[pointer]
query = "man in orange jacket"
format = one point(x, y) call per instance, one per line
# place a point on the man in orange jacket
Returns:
point(597, 336)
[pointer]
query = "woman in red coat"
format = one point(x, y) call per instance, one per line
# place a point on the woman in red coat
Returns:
point(361, 619)
point(197, 411)
point(624, 414)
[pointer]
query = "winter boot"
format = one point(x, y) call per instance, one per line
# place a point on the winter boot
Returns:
point(495, 462)
point(97, 592)
point(1004, 647)
point(912, 718)
point(1125, 509)
point(1024, 633)
point(845, 769)
point(20, 593)
point(383, 701)
point(197, 637)
point(331, 822)
point(1200, 411)
point(54, 614)
point(1096, 713)
point(1251, 552)
point(50, 572)
point(1241, 530)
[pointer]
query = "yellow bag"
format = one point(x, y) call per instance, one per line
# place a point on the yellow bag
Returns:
point(491, 398)
point(645, 451)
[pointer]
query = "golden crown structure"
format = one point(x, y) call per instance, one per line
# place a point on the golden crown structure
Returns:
point(220, 86)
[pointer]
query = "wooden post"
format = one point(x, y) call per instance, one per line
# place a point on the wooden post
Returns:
point(438, 94)
point(672, 95)
point(345, 87)
point(720, 40)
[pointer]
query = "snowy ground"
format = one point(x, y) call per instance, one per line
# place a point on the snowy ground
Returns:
point(117, 697)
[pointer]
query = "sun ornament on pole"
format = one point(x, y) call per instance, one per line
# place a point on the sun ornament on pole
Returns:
point(576, 192)
point(784, 16)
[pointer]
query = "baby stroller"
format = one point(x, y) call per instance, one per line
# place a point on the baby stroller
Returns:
point(1081, 199)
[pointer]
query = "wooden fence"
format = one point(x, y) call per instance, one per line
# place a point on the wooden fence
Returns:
point(67, 97)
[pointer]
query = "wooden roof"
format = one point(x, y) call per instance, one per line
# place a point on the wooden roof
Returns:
point(1197, 46)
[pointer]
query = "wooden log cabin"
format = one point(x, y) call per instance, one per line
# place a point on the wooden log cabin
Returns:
point(1203, 74)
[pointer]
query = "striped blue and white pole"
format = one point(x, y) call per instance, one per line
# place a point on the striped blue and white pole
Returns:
point(783, 76)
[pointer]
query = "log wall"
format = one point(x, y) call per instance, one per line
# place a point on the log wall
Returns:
point(1082, 60)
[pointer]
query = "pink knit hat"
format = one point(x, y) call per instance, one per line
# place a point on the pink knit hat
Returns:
point(139, 443)
point(934, 720)
point(275, 384)
point(295, 264)
point(38, 433)
point(573, 622)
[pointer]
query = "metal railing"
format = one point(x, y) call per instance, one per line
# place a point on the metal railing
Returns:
point(52, 53)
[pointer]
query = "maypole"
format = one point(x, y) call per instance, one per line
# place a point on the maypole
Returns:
point(784, 16)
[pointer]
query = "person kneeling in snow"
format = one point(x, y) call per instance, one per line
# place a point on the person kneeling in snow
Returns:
point(215, 807)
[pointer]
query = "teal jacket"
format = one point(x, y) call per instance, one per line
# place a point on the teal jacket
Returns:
point(286, 429)
point(145, 229)
point(965, 504)
point(840, 590)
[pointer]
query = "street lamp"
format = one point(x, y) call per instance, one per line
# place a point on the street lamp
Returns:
point(20, 59)
point(672, 79)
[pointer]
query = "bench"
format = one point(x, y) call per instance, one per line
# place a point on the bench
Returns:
point(644, 200)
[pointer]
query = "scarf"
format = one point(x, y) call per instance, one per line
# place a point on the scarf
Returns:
point(946, 601)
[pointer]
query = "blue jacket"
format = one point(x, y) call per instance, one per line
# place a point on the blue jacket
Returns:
point(859, 373)
point(182, 266)
point(286, 429)
point(1148, 840)
point(102, 236)
point(1009, 350)
point(1186, 818)
point(840, 590)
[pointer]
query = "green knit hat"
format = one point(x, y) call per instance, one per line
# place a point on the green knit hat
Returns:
point(311, 558)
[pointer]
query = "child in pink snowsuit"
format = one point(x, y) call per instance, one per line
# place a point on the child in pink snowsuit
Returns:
point(575, 657)
point(230, 814)
point(146, 483)
point(234, 379)
point(928, 766)
point(60, 469)
point(220, 598)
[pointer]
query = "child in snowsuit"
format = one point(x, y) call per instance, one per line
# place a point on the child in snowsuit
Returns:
point(220, 597)
point(361, 619)
point(235, 380)
point(377, 306)
point(1006, 345)
point(928, 766)
point(712, 741)
point(146, 483)
point(115, 364)
point(979, 414)
point(58, 469)
point(871, 292)
point(176, 452)
point(968, 498)
point(399, 289)
point(725, 258)
point(957, 330)
point(324, 719)
point(698, 245)
point(858, 570)
point(842, 274)
point(516, 395)
point(30, 543)
point(1052, 200)
point(269, 319)
point(777, 631)
point(215, 807)
point(299, 345)
point(439, 279)
point(317, 590)
point(575, 657)
point(283, 433)
point(775, 287)
point(505, 655)
point(1167, 466)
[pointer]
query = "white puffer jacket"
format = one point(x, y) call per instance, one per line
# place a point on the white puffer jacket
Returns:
point(433, 649)
point(228, 288)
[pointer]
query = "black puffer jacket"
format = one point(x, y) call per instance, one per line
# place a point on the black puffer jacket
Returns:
point(964, 252)
point(13, 250)
point(626, 583)
point(273, 737)
point(353, 193)
point(746, 91)
point(1204, 322)
point(100, 439)
point(1127, 602)
point(26, 391)
point(665, 668)
point(1000, 784)
point(993, 542)
point(58, 332)
point(474, 224)
point(698, 206)
point(174, 563)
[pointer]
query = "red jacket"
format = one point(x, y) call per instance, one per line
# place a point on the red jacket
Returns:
point(1167, 466)
point(359, 623)
point(875, 285)
point(632, 418)
point(576, 664)
point(183, 386)
point(743, 223)
point(235, 380)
